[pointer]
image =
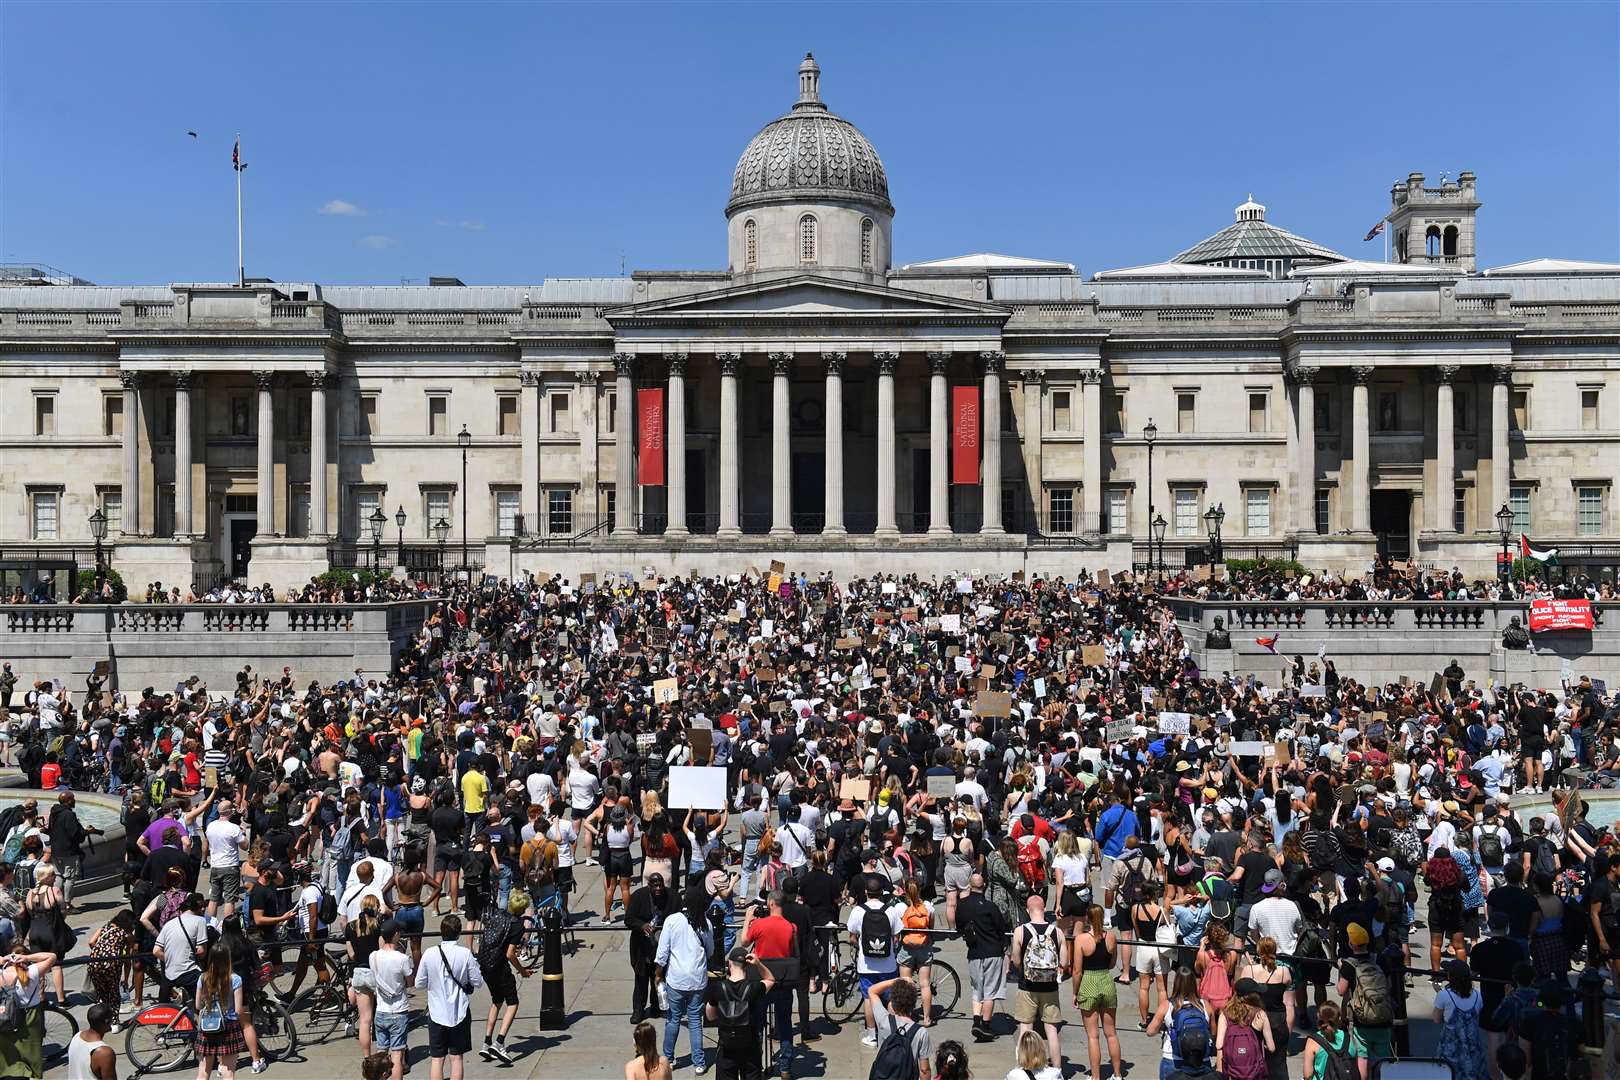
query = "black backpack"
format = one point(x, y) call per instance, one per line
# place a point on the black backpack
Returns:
point(732, 1010)
point(877, 934)
point(1491, 852)
point(1545, 860)
point(1339, 1064)
point(896, 1060)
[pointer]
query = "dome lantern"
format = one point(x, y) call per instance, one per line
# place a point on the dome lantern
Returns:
point(809, 84)
point(1251, 210)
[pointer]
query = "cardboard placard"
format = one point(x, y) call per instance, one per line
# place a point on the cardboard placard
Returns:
point(1103, 579)
point(774, 583)
point(1093, 655)
point(845, 643)
point(587, 578)
point(941, 787)
point(988, 670)
point(1175, 723)
point(702, 742)
point(765, 674)
point(1119, 730)
point(1281, 753)
point(992, 704)
point(649, 586)
point(102, 668)
point(658, 637)
point(908, 614)
point(645, 740)
point(880, 673)
point(665, 692)
point(950, 624)
point(858, 788)
point(697, 787)
point(211, 777)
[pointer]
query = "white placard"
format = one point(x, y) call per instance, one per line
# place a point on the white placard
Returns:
point(767, 628)
point(1245, 748)
point(964, 586)
point(1040, 688)
point(963, 665)
point(1119, 730)
point(1309, 690)
point(1175, 723)
point(645, 740)
point(889, 588)
point(697, 787)
point(950, 624)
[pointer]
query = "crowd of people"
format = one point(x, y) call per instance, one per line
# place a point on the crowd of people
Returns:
point(1037, 767)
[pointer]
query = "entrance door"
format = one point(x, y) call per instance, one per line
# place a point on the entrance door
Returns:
point(809, 491)
point(242, 533)
point(697, 493)
point(1391, 513)
point(921, 506)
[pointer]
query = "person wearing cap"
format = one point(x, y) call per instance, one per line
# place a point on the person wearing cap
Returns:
point(741, 993)
point(872, 963)
point(1275, 915)
point(1358, 965)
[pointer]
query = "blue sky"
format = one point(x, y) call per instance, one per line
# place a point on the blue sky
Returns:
point(511, 143)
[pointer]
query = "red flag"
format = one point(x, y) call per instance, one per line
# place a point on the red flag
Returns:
point(964, 434)
point(650, 465)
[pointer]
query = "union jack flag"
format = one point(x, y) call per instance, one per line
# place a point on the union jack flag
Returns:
point(1374, 231)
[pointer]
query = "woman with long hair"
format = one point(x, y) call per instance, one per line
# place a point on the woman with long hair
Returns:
point(1004, 885)
point(1094, 991)
point(47, 926)
point(1444, 879)
point(219, 1010)
point(22, 1049)
point(1214, 965)
point(1549, 948)
point(1069, 874)
point(1458, 1009)
point(1182, 997)
point(917, 948)
point(1033, 1061)
point(1242, 1011)
point(1274, 982)
point(110, 947)
point(1151, 921)
point(245, 962)
point(1179, 867)
point(648, 1064)
point(658, 846)
point(1331, 1035)
point(618, 833)
point(958, 858)
point(360, 939)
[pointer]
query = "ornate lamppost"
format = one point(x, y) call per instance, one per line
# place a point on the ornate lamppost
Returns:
point(1149, 434)
point(1504, 525)
point(399, 520)
point(377, 522)
point(464, 440)
point(98, 530)
point(1158, 526)
point(1212, 521)
point(441, 530)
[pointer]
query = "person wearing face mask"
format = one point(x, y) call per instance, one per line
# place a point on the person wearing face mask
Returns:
point(643, 918)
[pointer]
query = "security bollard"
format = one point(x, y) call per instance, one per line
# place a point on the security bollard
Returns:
point(553, 1015)
point(1591, 991)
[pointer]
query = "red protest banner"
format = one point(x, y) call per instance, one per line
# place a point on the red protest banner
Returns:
point(1548, 615)
point(650, 463)
point(964, 434)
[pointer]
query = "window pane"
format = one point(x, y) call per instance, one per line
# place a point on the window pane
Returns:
point(1257, 412)
point(1258, 511)
point(44, 515)
point(612, 506)
point(1519, 503)
point(507, 422)
point(1186, 512)
point(1062, 411)
point(561, 414)
point(506, 512)
point(1459, 511)
point(365, 504)
point(1115, 512)
point(436, 505)
point(112, 506)
point(1323, 507)
point(1589, 510)
point(560, 512)
point(1062, 510)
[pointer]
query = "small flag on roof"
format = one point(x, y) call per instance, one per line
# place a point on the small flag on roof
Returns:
point(1374, 231)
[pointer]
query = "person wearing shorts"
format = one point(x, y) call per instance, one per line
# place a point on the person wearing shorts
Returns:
point(391, 971)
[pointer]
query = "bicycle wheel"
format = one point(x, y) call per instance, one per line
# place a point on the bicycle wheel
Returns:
point(842, 1001)
point(60, 1027)
point(278, 1038)
point(159, 1039)
point(947, 989)
point(319, 1012)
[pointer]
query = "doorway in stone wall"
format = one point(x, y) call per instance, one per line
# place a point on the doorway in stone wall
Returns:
point(1391, 513)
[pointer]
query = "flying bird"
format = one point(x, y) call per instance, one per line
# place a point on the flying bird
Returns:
point(193, 134)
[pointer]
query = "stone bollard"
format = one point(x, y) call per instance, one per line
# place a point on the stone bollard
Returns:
point(553, 1014)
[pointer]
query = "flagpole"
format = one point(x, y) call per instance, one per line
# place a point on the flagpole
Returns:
point(241, 272)
point(1386, 241)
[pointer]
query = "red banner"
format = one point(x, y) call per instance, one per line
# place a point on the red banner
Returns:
point(964, 434)
point(1560, 615)
point(650, 462)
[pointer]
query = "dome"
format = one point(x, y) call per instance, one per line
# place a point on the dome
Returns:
point(809, 154)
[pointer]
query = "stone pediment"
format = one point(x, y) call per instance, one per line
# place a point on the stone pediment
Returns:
point(806, 296)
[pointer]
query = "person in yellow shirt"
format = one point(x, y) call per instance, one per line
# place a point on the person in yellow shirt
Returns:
point(474, 793)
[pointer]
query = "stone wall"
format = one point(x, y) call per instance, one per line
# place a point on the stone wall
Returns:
point(160, 645)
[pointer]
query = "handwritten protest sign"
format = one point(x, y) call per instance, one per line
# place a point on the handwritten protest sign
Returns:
point(950, 624)
point(992, 704)
point(1175, 723)
point(1093, 655)
point(1119, 730)
point(941, 787)
point(665, 692)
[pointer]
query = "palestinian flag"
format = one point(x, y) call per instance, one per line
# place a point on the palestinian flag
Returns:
point(1541, 555)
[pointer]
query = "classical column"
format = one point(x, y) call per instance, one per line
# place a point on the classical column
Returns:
point(1305, 449)
point(318, 463)
point(833, 517)
point(939, 492)
point(886, 523)
point(1501, 462)
point(1030, 442)
point(675, 446)
point(730, 365)
point(990, 426)
point(1444, 493)
point(267, 452)
point(1360, 453)
point(585, 506)
point(781, 446)
point(529, 433)
point(131, 510)
point(182, 453)
point(1091, 464)
point(624, 463)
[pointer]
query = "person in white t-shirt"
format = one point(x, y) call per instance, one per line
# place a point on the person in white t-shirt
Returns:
point(391, 969)
point(225, 838)
point(1033, 1062)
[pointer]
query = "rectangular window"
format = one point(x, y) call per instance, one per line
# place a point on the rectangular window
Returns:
point(1459, 509)
point(436, 507)
point(507, 504)
point(1062, 409)
point(1589, 510)
point(45, 414)
point(42, 505)
point(506, 415)
point(562, 417)
point(1519, 503)
point(112, 415)
point(610, 402)
point(1589, 410)
point(1462, 413)
point(611, 501)
point(1115, 420)
point(438, 415)
point(1116, 511)
point(298, 510)
point(368, 423)
point(1186, 413)
point(112, 508)
point(560, 512)
point(165, 511)
point(1324, 509)
point(1521, 410)
point(367, 501)
point(1257, 413)
point(1257, 511)
point(1326, 418)
point(1185, 514)
point(1060, 510)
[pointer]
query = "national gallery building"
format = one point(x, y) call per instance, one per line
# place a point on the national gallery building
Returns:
point(812, 402)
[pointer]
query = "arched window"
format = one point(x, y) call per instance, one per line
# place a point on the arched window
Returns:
point(807, 239)
point(866, 243)
point(750, 244)
point(1449, 245)
point(1431, 242)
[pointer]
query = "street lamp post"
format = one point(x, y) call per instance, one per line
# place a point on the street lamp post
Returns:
point(1158, 526)
point(441, 529)
point(1212, 521)
point(399, 519)
point(98, 530)
point(377, 523)
point(1504, 525)
point(464, 440)
point(1150, 433)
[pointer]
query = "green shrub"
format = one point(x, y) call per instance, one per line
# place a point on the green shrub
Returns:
point(1291, 568)
point(86, 584)
point(341, 577)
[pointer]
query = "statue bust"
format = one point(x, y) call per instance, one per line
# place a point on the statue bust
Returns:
point(1218, 638)
point(1514, 636)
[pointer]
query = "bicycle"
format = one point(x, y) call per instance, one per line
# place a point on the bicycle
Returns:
point(60, 1027)
point(842, 1002)
point(325, 1006)
point(161, 1038)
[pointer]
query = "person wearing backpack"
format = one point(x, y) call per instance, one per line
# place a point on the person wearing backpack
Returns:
point(219, 1006)
point(1368, 1001)
point(875, 927)
point(1179, 1013)
point(1458, 1010)
point(1243, 1039)
point(1041, 955)
point(1331, 1051)
point(907, 1048)
point(22, 1021)
point(731, 1004)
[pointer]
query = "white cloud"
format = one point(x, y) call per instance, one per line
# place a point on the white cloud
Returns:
point(377, 242)
point(465, 224)
point(342, 208)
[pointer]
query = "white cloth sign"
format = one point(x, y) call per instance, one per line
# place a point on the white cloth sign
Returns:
point(950, 624)
point(697, 787)
point(1175, 723)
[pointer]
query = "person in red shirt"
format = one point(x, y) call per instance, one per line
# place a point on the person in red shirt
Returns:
point(50, 773)
point(1034, 823)
point(774, 937)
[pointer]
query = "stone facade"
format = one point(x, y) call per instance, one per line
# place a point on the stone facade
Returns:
point(1330, 410)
